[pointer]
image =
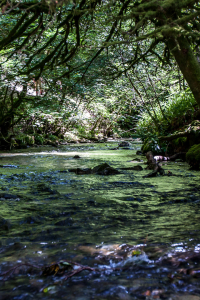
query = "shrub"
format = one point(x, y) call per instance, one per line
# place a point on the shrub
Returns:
point(39, 139)
point(175, 108)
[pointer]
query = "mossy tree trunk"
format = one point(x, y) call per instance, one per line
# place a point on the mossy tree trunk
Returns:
point(187, 62)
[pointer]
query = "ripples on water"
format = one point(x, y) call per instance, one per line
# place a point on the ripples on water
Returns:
point(95, 220)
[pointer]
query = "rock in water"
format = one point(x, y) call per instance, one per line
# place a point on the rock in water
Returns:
point(79, 171)
point(124, 144)
point(105, 169)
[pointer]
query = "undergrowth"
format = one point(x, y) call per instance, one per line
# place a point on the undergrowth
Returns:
point(178, 110)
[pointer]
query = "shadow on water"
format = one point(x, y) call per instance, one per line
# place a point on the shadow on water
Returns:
point(141, 236)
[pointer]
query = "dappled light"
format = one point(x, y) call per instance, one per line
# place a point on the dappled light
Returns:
point(99, 149)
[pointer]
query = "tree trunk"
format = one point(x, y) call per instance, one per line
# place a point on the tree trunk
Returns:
point(187, 62)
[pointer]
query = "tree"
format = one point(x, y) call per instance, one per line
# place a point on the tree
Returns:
point(58, 39)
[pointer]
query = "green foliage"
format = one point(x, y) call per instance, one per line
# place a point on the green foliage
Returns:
point(176, 108)
point(152, 144)
point(193, 156)
point(52, 137)
point(180, 141)
point(29, 140)
point(100, 63)
point(39, 139)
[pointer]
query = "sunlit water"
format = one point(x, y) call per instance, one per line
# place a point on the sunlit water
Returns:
point(54, 214)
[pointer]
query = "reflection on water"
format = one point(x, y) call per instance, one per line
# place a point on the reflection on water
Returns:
point(50, 214)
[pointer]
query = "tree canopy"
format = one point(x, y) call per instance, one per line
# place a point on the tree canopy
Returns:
point(48, 34)
point(81, 43)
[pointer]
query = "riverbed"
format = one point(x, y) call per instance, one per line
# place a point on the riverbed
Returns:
point(139, 235)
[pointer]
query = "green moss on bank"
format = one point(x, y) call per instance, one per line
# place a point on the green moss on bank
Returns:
point(193, 156)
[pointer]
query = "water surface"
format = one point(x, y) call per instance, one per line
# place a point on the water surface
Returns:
point(52, 214)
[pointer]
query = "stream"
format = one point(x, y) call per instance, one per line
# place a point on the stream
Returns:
point(139, 235)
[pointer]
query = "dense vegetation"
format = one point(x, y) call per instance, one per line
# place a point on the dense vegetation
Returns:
point(90, 69)
point(81, 71)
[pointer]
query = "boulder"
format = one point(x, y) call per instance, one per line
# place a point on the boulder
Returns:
point(193, 157)
point(124, 144)
point(102, 169)
point(105, 169)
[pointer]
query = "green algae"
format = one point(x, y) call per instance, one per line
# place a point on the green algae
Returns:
point(54, 211)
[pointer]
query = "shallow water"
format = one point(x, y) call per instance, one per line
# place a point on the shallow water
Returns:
point(97, 220)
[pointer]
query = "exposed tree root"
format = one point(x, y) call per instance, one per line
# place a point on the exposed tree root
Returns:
point(82, 268)
point(153, 165)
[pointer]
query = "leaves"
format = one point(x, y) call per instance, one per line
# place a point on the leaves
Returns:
point(136, 252)
point(57, 269)
point(112, 55)
point(52, 270)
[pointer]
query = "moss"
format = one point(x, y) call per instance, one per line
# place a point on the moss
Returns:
point(193, 156)
point(196, 123)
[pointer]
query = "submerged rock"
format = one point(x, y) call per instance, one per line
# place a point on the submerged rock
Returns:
point(8, 166)
point(125, 148)
point(136, 168)
point(79, 171)
point(4, 224)
point(41, 187)
point(105, 169)
point(139, 152)
point(124, 144)
point(8, 196)
point(102, 169)
point(193, 157)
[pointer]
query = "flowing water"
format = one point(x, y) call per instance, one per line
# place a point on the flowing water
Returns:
point(140, 235)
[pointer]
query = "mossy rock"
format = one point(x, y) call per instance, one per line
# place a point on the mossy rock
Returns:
point(193, 156)
point(104, 169)
point(124, 144)
point(181, 144)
